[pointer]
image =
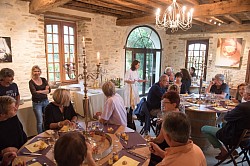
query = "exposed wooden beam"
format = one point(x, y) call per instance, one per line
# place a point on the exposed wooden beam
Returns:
point(112, 6)
point(219, 20)
point(221, 8)
point(247, 15)
point(192, 2)
point(127, 4)
point(152, 4)
point(41, 6)
point(204, 10)
point(229, 28)
point(233, 18)
point(72, 7)
point(96, 9)
point(71, 17)
point(204, 20)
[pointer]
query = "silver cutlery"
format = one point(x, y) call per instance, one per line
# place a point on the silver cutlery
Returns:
point(137, 155)
point(33, 154)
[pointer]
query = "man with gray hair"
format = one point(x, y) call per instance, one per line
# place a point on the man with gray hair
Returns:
point(218, 87)
point(7, 86)
point(155, 93)
point(176, 129)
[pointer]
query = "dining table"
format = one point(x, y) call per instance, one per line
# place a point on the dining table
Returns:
point(135, 148)
point(201, 112)
point(96, 100)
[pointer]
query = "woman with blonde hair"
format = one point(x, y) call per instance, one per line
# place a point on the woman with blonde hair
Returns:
point(60, 112)
point(39, 89)
point(114, 110)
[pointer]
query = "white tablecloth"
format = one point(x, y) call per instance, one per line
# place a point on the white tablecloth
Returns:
point(96, 100)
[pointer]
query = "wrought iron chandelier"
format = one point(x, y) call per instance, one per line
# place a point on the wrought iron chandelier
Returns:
point(174, 17)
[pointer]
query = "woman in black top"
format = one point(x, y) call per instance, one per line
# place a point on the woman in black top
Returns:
point(60, 112)
point(12, 136)
point(39, 89)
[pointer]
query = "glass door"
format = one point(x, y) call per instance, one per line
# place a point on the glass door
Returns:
point(145, 71)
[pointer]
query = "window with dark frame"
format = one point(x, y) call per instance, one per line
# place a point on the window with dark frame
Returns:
point(61, 51)
point(196, 56)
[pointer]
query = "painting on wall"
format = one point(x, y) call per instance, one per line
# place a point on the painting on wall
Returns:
point(228, 52)
point(5, 50)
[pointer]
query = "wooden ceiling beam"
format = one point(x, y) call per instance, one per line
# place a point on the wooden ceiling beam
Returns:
point(97, 9)
point(233, 18)
point(112, 6)
point(192, 2)
point(204, 20)
point(127, 4)
point(221, 8)
point(204, 10)
point(247, 15)
point(219, 20)
point(56, 15)
point(41, 6)
point(149, 3)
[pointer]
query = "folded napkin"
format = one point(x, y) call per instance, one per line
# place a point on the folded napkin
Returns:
point(35, 164)
point(129, 161)
point(36, 146)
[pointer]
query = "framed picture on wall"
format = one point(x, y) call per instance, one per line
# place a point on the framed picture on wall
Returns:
point(5, 50)
point(228, 52)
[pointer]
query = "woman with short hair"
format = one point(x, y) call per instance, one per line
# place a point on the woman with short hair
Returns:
point(12, 135)
point(114, 110)
point(60, 112)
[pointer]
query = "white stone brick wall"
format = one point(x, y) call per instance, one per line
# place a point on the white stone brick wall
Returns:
point(174, 53)
point(27, 41)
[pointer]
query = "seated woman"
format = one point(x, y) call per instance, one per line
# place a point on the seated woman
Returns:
point(229, 134)
point(60, 112)
point(71, 150)
point(114, 110)
point(218, 87)
point(182, 86)
point(170, 101)
point(12, 136)
point(169, 72)
point(239, 93)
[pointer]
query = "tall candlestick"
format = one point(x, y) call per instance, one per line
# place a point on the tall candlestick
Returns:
point(68, 60)
point(98, 57)
point(83, 42)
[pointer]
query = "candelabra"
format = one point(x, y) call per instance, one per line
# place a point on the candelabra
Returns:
point(86, 76)
point(70, 70)
point(203, 66)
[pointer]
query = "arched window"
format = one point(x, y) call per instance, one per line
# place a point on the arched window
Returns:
point(143, 43)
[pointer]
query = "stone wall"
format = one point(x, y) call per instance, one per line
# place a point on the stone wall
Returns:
point(27, 41)
point(175, 50)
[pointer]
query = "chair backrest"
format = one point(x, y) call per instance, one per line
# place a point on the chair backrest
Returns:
point(245, 137)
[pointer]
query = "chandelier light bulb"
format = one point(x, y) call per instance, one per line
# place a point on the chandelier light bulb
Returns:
point(215, 22)
point(158, 11)
point(174, 17)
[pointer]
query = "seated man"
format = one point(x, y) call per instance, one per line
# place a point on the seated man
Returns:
point(237, 121)
point(71, 149)
point(218, 87)
point(114, 110)
point(155, 93)
point(176, 130)
point(12, 135)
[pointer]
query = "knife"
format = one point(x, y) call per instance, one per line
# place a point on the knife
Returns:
point(33, 154)
point(137, 155)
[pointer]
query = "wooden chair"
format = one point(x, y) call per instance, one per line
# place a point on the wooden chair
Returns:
point(243, 144)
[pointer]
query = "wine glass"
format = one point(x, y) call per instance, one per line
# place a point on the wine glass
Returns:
point(101, 127)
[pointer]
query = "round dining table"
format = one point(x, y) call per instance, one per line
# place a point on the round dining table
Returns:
point(135, 148)
point(201, 115)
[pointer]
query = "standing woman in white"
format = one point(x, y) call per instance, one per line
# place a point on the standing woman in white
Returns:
point(131, 92)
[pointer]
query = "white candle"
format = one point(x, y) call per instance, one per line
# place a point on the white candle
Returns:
point(98, 57)
point(83, 42)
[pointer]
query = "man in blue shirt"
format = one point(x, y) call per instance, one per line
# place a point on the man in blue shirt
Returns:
point(155, 93)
